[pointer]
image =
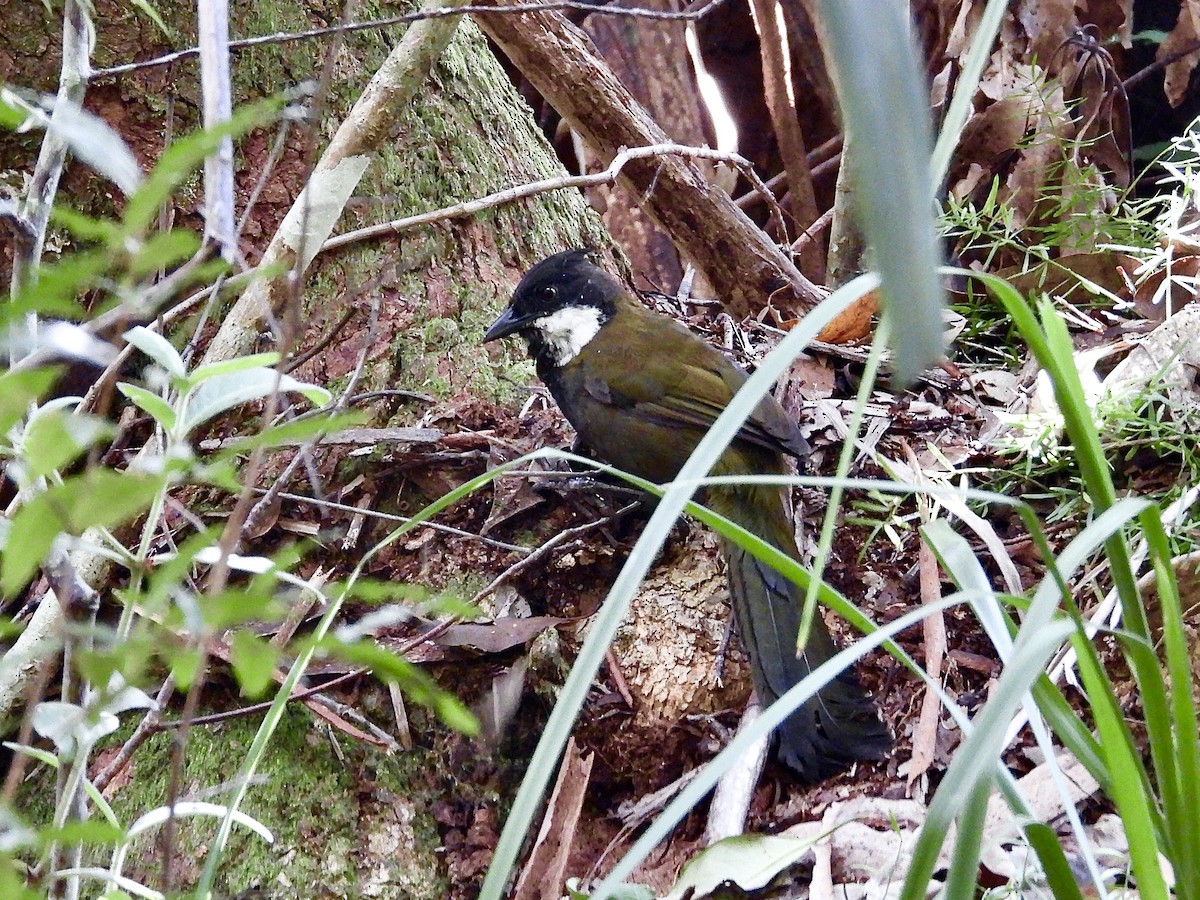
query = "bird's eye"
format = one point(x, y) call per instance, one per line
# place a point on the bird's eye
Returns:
point(551, 292)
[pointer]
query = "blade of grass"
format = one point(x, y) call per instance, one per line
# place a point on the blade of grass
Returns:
point(1184, 833)
point(985, 742)
point(1051, 344)
point(885, 102)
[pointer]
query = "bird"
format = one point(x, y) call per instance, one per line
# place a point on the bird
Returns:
point(640, 391)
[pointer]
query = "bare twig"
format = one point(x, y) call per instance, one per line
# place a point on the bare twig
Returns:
point(38, 645)
point(563, 537)
point(78, 36)
point(1158, 64)
point(534, 188)
point(693, 13)
point(401, 520)
point(145, 728)
point(776, 84)
point(810, 233)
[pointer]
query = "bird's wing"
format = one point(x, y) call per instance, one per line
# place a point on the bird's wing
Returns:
point(691, 395)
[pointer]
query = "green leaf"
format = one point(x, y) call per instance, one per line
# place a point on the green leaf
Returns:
point(1054, 863)
point(45, 757)
point(415, 683)
point(13, 110)
point(152, 14)
point(291, 433)
point(159, 349)
point(253, 661)
point(104, 231)
point(19, 389)
point(380, 591)
point(8, 628)
point(162, 250)
point(620, 892)
point(98, 497)
point(223, 392)
point(185, 665)
point(57, 437)
point(230, 366)
point(237, 605)
point(93, 833)
point(92, 140)
point(57, 287)
point(751, 861)
point(159, 409)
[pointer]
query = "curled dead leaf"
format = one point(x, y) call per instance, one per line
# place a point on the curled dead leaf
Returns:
point(854, 323)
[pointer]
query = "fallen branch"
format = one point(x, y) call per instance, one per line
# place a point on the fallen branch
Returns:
point(741, 263)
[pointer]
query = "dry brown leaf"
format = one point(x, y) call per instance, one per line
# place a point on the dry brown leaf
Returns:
point(1156, 303)
point(1185, 33)
point(497, 636)
point(924, 742)
point(544, 877)
point(853, 323)
point(1047, 24)
point(1062, 276)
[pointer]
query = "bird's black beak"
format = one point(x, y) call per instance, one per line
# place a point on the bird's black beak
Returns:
point(508, 323)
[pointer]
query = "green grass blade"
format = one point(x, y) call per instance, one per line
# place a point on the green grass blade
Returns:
point(985, 742)
point(1184, 828)
point(885, 102)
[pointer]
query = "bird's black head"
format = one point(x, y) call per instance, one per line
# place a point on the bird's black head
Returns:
point(558, 307)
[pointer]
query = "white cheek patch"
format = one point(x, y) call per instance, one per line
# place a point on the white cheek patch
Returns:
point(567, 331)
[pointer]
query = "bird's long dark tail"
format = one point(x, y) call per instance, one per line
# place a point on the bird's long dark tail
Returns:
point(840, 724)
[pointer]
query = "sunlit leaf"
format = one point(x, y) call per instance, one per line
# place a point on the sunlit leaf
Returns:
point(98, 497)
point(159, 349)
point(149, 402)
point(70, 726)
point(253, 662)
point(92, 140)
point(229, 366)
point(185, 665)
point(19, 389)
point(223, 392)
point(750, 861)
point(53, 440)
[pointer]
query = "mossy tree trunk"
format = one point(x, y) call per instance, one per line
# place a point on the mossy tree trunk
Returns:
point(349, 820)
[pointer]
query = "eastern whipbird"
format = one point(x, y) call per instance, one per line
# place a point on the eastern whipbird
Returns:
point(641, 391)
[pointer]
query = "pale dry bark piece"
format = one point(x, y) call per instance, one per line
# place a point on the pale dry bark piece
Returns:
point(311, 219)
point(668, 648)
point(924, 743)
point(1166, 359)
